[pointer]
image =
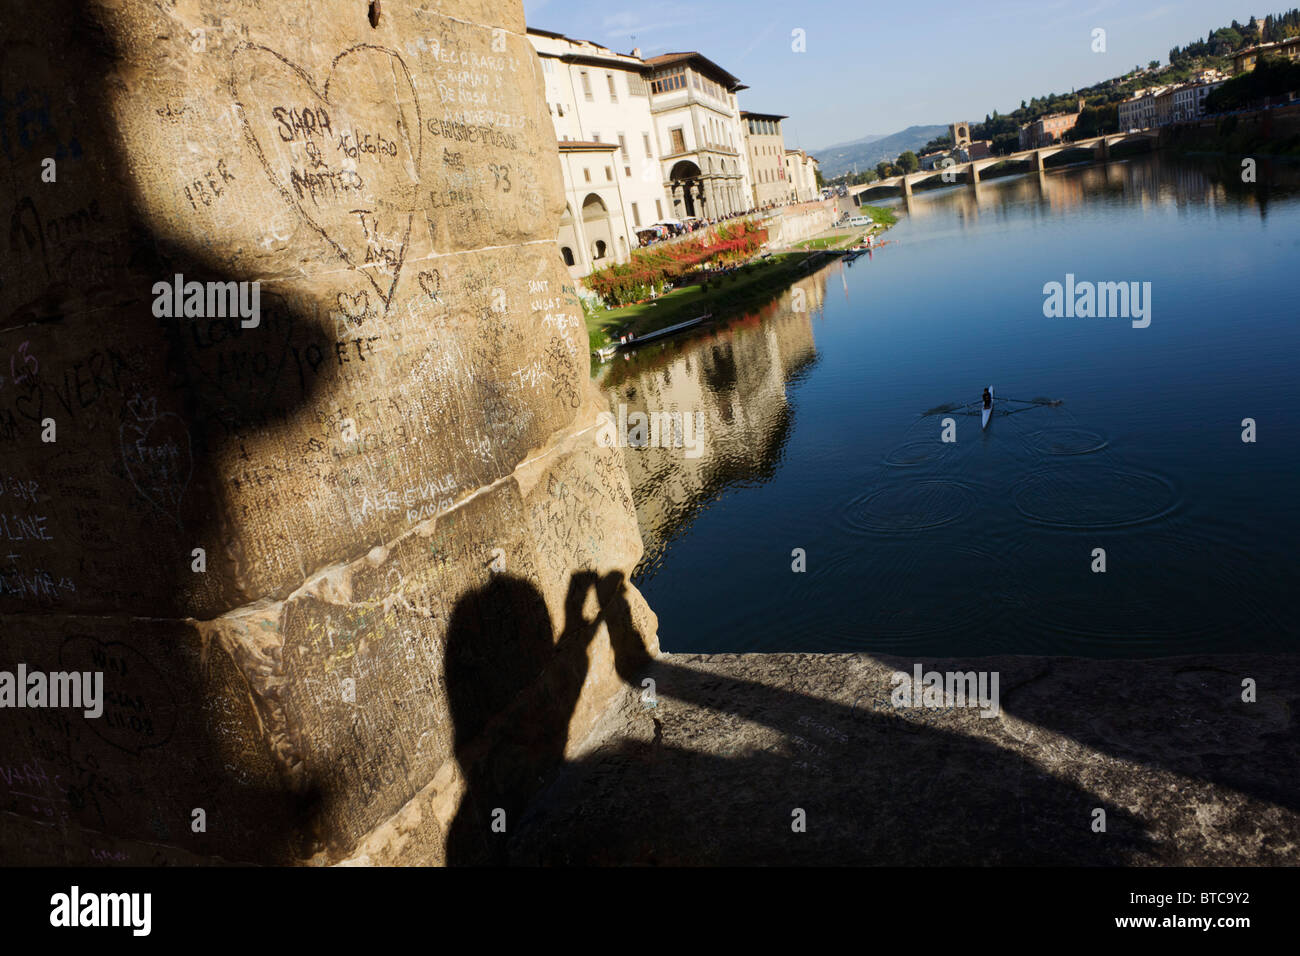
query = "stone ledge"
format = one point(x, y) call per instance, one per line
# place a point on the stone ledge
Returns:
point(1187, 773)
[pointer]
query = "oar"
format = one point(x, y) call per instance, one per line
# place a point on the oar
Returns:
point(944, 409)
point(1032, 401)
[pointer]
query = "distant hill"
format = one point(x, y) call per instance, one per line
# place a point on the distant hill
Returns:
point(865, 153)
point(869, 138)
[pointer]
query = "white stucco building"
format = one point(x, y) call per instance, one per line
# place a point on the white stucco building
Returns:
point(599, 102)
point(697, 123)
point(647, 140)
point(765, 146)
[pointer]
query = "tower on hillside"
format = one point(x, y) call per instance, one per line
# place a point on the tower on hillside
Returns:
point(960, 133)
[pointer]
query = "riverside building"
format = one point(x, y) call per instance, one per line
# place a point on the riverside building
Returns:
point(765, 146)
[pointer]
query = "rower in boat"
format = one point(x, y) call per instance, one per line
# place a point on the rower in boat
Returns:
point(988, 397)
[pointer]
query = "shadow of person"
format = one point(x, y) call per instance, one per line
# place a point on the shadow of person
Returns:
point(171, 434)
point(512, 687)
point(700, 778)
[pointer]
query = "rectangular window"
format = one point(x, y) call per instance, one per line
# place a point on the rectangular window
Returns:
point(586, 86)
point(636, 85)
point(613, 93)
point(595, 137)
point(668, 81)
point(659, 208)
point(679, 141)
point(560, 108)
point(636, 216)
point(609, 174)
point(627, 171)
point(622, 145)
point(645, 138)
point(586, 172)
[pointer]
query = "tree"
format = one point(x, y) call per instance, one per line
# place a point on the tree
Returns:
point(1272, 76)
point(908, 162)
point(1153, 64)
point(882, 169)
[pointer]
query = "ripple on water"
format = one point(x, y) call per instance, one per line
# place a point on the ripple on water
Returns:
point(1065, 440)
point(919, 452)
point(907, 507)
point(1088, 499)
point(1207, 586)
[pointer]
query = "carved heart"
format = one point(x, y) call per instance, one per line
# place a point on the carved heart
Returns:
point(140, 709)
point(356, 306)
point(156, 453)
point(347, 155)
point(35, 397)
point(431, 283)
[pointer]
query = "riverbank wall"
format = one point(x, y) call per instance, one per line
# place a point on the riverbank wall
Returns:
point(1270, 132)
point(793, 224)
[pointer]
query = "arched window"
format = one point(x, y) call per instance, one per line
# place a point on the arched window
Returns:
point(567, 253)
point(600, 249)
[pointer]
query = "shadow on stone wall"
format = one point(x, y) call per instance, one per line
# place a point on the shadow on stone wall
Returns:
point(512, 689)
point(181, 394)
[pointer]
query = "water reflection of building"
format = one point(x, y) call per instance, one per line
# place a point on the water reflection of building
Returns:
point(737, 376)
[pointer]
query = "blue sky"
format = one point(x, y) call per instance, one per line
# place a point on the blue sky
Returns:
point(876, 68)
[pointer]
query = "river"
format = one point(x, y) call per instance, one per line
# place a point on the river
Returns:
point(813, 440)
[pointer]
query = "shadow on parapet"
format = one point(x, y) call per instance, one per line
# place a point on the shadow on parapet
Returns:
point(704, 791)
point(1184, 716)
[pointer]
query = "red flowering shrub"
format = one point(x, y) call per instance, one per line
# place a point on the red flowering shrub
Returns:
point(649, 270)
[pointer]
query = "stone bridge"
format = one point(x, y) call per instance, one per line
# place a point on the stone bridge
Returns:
point(969, 172)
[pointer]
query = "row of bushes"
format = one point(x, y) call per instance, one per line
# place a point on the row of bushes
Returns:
point(649, 271)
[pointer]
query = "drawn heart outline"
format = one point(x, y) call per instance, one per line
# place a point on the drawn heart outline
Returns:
point(132, 679)
point(245, 50)
point(431, 283)
point(156, 483)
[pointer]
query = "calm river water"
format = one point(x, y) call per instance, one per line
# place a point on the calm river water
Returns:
point(813, 436)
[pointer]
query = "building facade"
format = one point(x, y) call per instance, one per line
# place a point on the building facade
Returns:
point(1162, 105)
point(800, 174)
point(702, 158)
point(599, 102)
point(974, 149)
point(1189, 100)
point(644, 141)
point(1139, 110)
point(1047, 130)
point(594, 230)
point(1243, 61)
point(765, 147)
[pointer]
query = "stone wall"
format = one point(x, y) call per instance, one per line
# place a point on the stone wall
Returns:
point(795, 223)
point(407, 530)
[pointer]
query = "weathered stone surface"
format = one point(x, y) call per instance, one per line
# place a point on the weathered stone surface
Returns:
point(408, 530)
point(1187, 772)
point(179, 732)
point(274, 447)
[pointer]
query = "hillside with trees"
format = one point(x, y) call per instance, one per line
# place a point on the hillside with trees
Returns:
point(1101, 100)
